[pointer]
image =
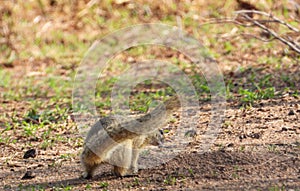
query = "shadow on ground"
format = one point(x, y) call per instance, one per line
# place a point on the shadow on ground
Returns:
point(212, 170)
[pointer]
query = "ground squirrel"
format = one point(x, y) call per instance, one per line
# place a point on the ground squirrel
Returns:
point(118, 141)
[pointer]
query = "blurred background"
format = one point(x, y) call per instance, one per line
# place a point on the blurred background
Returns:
point(42, 42)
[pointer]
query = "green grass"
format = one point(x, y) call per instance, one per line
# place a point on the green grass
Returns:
point(249, 97)
point(170, 180)
point(5, 78)
point(277, 188)
point(103, 184)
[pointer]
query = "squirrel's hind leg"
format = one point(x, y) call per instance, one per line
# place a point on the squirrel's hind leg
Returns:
point(120, 171)
point(123, 156)
point(89, 161)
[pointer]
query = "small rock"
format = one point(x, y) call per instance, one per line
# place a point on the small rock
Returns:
point(288, 129)
point(243, 136)
point(15, 164)
point(255, 135)
point(191, 112)
point(291, 112)
point(28, 175)
point(190, 133)
point(30, 153)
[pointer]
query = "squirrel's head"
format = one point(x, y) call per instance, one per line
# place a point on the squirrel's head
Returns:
point(156, 138)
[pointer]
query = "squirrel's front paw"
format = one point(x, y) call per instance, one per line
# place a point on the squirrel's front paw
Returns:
point(86, 175)
point(134, 170)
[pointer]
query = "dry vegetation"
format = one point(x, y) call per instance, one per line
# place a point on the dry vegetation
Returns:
point(43, 41)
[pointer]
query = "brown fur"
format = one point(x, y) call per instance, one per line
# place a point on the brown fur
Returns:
point(118, 141)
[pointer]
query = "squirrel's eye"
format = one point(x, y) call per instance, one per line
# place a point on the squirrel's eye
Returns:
point(161, 132)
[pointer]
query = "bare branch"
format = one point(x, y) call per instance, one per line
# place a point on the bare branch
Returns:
point(290, 43)
point(244, 12)
point(257, 37)
point(226, 20)
point(246, 21)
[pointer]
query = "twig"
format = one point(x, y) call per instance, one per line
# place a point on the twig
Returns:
point(275, 19)
point(291, 44)
point(234, 21)
point(252, 36)
point(226, 20)
point(257, 37)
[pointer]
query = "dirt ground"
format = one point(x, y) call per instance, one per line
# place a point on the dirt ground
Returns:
point(258, 147)
point(259, 151)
